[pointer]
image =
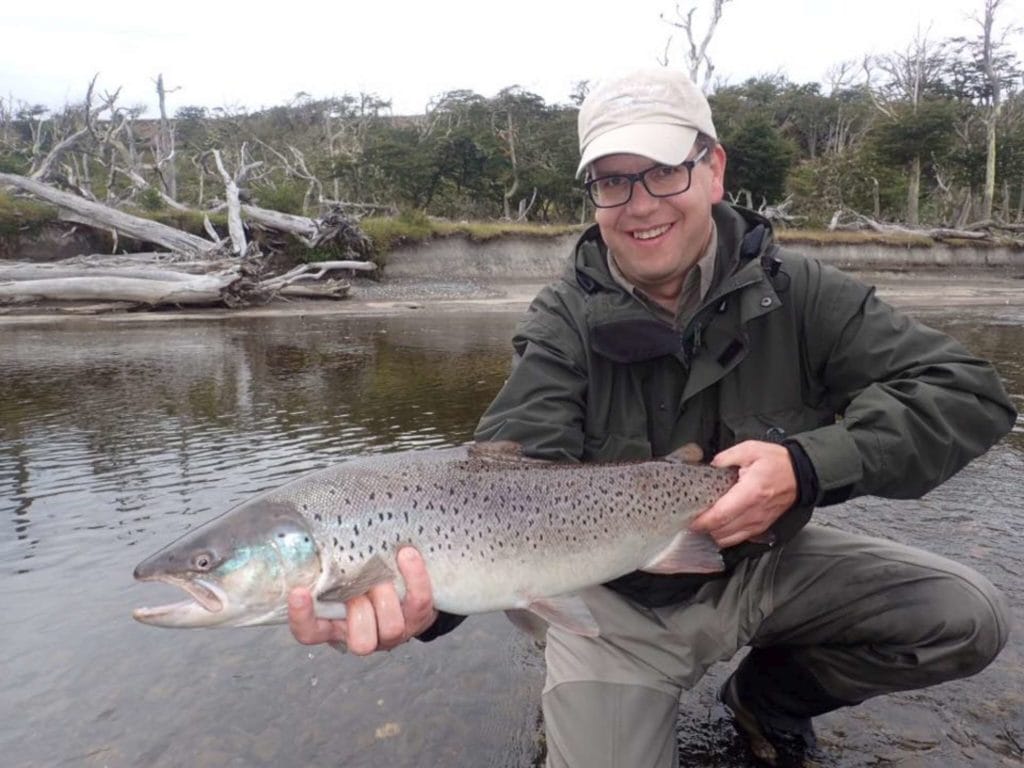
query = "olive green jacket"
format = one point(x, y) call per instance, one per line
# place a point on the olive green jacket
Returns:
point(782, 348)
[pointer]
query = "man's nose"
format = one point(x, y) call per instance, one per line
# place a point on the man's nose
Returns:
point(641, 201)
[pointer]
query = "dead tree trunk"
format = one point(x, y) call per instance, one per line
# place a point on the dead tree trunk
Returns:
point(79, 209)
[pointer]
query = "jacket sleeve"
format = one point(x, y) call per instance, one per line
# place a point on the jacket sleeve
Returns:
point(543, 401)
point(914, 406)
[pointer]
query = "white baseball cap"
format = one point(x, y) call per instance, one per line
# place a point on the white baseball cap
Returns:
point(655, 113)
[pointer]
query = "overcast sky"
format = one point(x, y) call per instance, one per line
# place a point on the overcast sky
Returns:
point(231, 54)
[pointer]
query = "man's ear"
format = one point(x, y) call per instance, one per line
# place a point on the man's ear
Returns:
point(717, 163)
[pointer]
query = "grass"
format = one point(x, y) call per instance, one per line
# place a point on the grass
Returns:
point(387, 233)
point(20, 216)
point(826, 237)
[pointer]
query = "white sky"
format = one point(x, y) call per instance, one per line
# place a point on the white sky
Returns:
point(236, 55)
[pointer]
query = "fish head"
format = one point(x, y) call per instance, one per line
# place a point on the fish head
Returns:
point(237, 568)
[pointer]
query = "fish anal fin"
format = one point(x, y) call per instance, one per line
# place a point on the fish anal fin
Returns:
point(688, 552)
point(528, 622)
point(375, 571)
point(567, 612)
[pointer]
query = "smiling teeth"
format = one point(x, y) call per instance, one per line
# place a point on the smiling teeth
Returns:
point(648, 234)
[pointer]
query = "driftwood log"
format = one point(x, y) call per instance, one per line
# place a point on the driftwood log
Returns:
point(82, 211)
point(982, 231)
point(194, 271)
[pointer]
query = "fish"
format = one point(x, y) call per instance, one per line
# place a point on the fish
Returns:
point(498, 531)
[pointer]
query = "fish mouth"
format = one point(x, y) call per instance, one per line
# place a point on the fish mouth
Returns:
point(207, 599)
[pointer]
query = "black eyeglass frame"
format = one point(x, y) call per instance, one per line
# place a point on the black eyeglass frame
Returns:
point(689, 165)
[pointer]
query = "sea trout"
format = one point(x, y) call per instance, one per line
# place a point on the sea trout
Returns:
point(497, 531)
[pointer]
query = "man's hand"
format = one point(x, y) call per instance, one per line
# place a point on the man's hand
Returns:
point(376, 621)
point(766, 488)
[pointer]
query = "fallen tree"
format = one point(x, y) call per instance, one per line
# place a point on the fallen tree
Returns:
point(989, 231)
point(194, 271)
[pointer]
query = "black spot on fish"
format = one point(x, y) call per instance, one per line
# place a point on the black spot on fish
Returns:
point(373, 495)
point(370, 549)
point(351, 545)
point(335, 541)
point(369, 522)
point(405, 512)
point(381, 516)
point(420, 531)
point(356, 529)
point(317, 516)
point(331, 491)
point(389, 494)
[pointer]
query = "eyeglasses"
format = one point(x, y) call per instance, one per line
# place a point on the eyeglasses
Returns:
point(658, 180)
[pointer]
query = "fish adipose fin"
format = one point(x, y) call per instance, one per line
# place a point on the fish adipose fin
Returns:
point(567, 612)
point(374, 572)
point(688, 552)
point(691, 453)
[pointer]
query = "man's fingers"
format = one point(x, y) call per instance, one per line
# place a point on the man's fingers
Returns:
point(388, 610)
point(362, 626)
point(418, 604)
point(304, 624)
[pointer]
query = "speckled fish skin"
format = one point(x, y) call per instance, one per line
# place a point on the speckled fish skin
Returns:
point(497, 532)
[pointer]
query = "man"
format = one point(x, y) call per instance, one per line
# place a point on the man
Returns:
point(680, 321)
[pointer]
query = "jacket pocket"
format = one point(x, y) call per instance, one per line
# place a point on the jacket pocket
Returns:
point(775, 426)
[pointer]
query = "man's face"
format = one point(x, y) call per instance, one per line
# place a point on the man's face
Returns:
point(656, 240)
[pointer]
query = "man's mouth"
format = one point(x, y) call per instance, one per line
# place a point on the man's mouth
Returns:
point(653, 232)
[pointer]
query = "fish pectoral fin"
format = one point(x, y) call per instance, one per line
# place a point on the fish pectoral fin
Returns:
point(567, 612)
point(529, 622)
point(688, 552)
point(375, 571)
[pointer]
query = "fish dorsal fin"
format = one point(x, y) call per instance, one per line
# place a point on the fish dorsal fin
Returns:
point(496, 449)
point(500, 451)
point(567, 612)
point(688, 552)
point(691, 453)
point(375, 571)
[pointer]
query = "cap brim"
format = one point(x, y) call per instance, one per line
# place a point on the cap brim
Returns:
point(666, 144)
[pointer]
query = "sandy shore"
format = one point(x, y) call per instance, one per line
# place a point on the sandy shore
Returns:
point(913, 290)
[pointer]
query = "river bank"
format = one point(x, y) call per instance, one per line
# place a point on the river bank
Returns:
point(504, 274)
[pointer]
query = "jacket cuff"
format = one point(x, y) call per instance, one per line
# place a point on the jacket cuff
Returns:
point(836, 461)
point(444, 624)
point(806, 478)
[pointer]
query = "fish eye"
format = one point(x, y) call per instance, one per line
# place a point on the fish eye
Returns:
point(202, 561)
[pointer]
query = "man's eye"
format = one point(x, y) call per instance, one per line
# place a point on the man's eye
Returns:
point(666, 171)
point(612, 182)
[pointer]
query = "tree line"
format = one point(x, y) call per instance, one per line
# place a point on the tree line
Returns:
point(933, 134)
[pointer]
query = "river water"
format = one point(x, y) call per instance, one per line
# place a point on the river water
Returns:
point(116, 438)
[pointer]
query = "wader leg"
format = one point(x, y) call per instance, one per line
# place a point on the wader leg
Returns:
point(851, 617)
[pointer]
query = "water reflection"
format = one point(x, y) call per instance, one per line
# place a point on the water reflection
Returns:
point(113, 440)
